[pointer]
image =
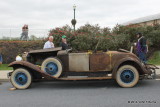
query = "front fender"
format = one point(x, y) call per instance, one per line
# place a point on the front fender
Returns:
point(141, 68)
point(25, 64)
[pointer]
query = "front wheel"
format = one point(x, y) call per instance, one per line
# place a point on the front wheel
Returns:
point(127, 76)
point(21, 78)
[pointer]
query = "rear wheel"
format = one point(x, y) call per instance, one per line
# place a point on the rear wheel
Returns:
point(21, 78)
point(127, 76)
point(52, 66)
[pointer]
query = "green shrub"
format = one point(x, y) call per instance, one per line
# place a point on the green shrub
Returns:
point(85, 38)
point(151, 33)
point(154, 38)
point(10, 49)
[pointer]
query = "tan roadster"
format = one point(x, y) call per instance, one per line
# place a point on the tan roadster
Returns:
point(56, 64)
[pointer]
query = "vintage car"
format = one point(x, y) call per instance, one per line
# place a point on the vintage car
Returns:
point(57, 64)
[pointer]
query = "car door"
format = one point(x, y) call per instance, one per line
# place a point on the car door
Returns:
point(100, 61)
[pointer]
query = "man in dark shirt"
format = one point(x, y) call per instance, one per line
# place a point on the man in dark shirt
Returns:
point(64, 44)
point(142, 48)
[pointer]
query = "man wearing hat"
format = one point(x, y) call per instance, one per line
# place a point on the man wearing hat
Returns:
point(141, 47)
point(64, 44)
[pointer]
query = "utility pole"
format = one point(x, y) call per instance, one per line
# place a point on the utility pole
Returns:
point(73, 21)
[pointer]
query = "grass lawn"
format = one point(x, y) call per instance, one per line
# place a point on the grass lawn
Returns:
point(5, 67)
point(155, 59)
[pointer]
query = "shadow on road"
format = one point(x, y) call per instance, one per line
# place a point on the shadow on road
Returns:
point(82, 84)
point(75, 84)
point(69, 85)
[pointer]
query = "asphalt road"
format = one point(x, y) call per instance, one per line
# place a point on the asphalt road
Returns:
point(82, 94)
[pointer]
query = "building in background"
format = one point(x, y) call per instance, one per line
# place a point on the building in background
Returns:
point(145, 21)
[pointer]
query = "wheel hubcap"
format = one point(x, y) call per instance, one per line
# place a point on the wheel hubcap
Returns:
point(21, 78)
point(51, 68)
point(127, 76)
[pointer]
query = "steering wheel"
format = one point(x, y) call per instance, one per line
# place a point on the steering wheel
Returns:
point(69, 50)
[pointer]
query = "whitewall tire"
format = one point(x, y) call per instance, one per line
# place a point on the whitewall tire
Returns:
point(21, 78)
point(127, 76)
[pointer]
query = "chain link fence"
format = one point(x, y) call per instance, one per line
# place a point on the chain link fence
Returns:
point(15, 33)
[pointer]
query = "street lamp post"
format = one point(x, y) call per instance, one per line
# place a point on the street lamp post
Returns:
point(74, 20)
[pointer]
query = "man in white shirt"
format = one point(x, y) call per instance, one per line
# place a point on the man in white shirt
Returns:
point(49, 43)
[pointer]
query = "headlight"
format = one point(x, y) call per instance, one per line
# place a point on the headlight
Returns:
point(18, 58)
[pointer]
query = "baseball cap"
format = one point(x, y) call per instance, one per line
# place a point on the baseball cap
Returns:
point(64, 36)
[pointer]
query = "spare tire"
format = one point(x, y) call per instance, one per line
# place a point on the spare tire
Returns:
point(52, 66)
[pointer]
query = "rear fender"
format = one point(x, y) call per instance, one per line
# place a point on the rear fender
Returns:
point(141, 69)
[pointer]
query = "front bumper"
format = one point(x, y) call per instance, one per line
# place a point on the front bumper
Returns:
point(151, 66)
point(151, 69)
point(9, 74)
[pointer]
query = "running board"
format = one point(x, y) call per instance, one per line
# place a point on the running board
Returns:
point(85, 78)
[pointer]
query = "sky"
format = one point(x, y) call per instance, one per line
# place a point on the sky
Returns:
point(48, 14)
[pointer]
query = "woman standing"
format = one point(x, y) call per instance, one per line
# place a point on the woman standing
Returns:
point(24, 35)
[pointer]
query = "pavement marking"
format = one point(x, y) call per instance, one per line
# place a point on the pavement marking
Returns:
point(12, 89)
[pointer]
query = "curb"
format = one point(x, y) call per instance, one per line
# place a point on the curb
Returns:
point(4, 80)
point(3, 75)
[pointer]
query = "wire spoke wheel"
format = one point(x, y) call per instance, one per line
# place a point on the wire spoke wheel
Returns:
point(21, 78)
point(51, 68)
point(127, 76)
